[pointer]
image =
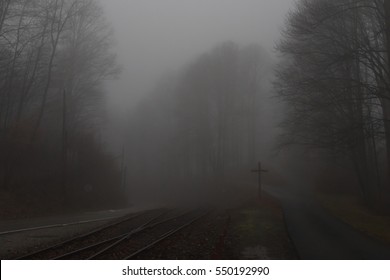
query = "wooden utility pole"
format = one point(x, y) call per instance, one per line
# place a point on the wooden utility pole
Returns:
point(123, 167)
point(259, 171)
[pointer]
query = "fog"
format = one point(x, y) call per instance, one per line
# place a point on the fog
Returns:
point(269, 114)
point(176, 93)
point(154, 38)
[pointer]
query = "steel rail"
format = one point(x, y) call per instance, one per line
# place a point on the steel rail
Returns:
point(71, 253)
point(99, 229)
point(116, 240)
point(79, 250)
point(166, 235)
point(56, 225)
point(119, 237)
point(145, 226)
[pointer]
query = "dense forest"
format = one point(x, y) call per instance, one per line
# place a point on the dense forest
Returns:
point(334, 80)
point(199, 129)
point(54, 57)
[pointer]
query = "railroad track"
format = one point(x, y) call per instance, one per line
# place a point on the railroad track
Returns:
point(125, 239)
point(7, 232)
point(165, 235)
point(121, 223)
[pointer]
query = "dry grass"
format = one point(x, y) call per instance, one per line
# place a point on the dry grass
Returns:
point(350, 209)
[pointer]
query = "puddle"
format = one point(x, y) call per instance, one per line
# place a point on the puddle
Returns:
point(255, 253)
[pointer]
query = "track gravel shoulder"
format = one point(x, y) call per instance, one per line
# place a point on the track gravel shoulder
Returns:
point(254, 230)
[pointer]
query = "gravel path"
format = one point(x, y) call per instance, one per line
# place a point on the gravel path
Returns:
point(250, 231)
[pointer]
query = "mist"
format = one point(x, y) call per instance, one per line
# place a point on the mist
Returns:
point(156, 38)
point(224, 129)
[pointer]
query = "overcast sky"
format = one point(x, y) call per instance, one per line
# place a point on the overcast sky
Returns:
point(157, 36)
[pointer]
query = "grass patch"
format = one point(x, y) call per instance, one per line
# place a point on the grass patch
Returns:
point(260, 232)
point(349, 209)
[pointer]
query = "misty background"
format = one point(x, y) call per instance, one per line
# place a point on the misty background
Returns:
point(105, 103)
point(157, 40)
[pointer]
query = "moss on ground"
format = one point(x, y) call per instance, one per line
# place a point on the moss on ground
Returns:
point(259, 232)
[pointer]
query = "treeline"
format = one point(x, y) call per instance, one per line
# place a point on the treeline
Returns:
point(335, 82)
point(200, 127)
point(54, 55)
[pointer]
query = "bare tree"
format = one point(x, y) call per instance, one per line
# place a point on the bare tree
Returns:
point(54, 58)
point(333, 82)
point(60, 12)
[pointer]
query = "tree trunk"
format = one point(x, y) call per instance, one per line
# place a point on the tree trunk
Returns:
point(64, 150)
point(3, 12)
point(31, 81)
point(386, 119)
point(386, 102)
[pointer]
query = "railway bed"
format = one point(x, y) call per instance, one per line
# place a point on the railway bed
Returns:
point(125, 238)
